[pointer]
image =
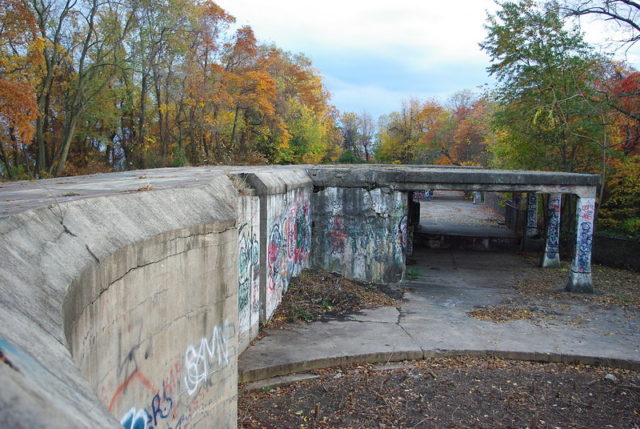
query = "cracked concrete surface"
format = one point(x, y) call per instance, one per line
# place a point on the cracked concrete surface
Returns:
point(433, 319)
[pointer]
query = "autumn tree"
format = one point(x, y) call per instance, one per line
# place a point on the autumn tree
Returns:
point(420, 133)
point(20, 60)
point(546, 76)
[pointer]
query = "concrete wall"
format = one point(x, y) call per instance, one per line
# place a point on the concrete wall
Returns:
point(288, 242)
point(360, 233)
point(141, 289)
point(285, 229)
point(616, 252)
point(248, 269)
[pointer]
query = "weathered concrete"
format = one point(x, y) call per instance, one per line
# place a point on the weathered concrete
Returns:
point(249, 235)
point(580, 278)
point(285, 231)
point(532, 214)
point(433, 320)
point(360, 233)
point(124, 285)
point(410, 178)
point(551, 257)
point(132, 292)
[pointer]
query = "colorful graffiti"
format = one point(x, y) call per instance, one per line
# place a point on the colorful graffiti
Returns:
point(532, 214)
point(401, 233)
point(338, 235)
point(423, 195)
point(165, 409)
point(585, 217)
point(211, 356)
point(248, 275)
point(289, 244)
point(553, 230)
point(162, 410)
point(143, 419)
point(362, 234)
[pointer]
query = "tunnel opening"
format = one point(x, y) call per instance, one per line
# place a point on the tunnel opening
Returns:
point(469, 231)
point(442, 219)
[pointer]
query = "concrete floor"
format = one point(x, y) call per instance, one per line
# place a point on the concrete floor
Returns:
point(433, 319)
point(448, 212)
point(434, 315)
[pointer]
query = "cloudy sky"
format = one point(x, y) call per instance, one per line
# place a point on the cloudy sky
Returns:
point(374, 54)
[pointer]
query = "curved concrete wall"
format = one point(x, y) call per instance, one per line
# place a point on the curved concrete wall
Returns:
point(150, 311)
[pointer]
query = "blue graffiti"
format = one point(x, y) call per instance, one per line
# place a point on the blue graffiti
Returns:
point(143, 419)
point(584, 247)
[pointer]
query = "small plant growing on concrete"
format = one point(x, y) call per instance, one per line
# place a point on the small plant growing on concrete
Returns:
point(413, 274)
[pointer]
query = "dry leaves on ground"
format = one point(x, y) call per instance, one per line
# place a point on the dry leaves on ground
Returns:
point(317, 293)
point(450, 392)
point(613, 286)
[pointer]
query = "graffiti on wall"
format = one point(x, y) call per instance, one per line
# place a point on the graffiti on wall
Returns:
point(210, 356)
point(162, 410)
point(248, 275)
point(585, 217)
point(532, 214)
point(553, 232)
point(401, 233)
point(422, 195)
point(167, 407)
point(366, 242)
point(288, 245)
point(159, 411)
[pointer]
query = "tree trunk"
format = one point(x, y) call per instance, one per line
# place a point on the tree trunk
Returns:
point(69, 132)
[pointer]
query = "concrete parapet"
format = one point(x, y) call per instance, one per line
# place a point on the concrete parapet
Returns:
point(121, 304)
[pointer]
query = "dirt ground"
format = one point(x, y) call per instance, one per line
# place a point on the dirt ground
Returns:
point(613, 287)
point(451, 393)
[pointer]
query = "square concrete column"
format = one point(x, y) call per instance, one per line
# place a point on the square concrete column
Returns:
point(532, 214)
point(580, 279)
point(551, 257)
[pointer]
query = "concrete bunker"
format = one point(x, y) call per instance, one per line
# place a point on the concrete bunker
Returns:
point(123, 307)
point(404, 181)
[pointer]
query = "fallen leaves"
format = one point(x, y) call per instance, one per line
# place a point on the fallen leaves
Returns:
point(317, 293)
point(613, 286)
point(450, 392)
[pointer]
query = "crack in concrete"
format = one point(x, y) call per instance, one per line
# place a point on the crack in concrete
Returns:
point(91, 253)
point(399, 323)
point(155, 261)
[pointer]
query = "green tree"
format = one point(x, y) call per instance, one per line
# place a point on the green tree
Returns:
point(546, 89)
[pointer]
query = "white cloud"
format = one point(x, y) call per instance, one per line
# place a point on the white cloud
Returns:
point(433, 29)
point(376, 53)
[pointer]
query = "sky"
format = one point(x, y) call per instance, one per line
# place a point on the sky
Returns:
point(374, 54)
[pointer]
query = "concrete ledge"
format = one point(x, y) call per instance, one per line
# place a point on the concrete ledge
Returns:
point(417, 178)
point(245, 376)
point(277, 181)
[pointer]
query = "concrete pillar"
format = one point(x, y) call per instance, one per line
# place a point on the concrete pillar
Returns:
point(551, 257)
point(532, 214)
point(580, 278)
point(477, 197)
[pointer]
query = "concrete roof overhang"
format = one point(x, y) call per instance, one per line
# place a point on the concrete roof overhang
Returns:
point(16, 197)
point(413, 178)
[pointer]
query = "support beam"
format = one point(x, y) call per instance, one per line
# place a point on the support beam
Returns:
point(532, 214)
point(551, 257)
point(580, 278)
